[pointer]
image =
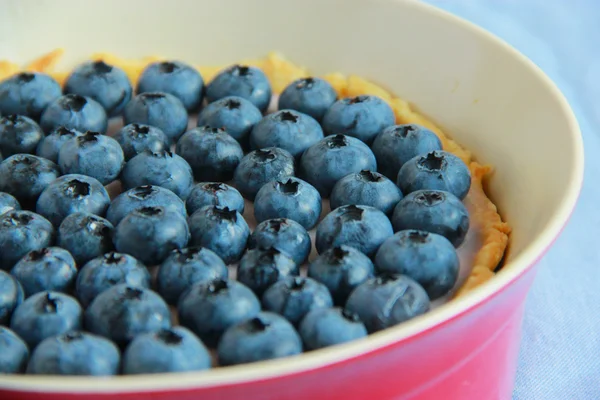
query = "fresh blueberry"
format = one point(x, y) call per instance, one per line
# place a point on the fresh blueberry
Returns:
point(25, 176)
point(234, 114)
point(341, 269)
point(14, 353)
point(106, 84)
point(186, 267)
point(162, 168)
point(75, 353)
point(397, 144)
point(123, 312)
point(312, 96)
point(50, 146)
point(259, 268)
point(176, 78)
point(85, 236)
point(249, 83)
point(264, 337)
point(11, 295)
point(70, 194)
point(209, 308)
point(106, 271)
point(221, 230)
point(19, 134)
point(74, 112)
point(214, 194)
point(325, 327)
point(366, 188)
point(136, 138)
point(262, 166)
point(211, 152)
point(150, 233)
point(46, 314)
point(8, 203)
point(169, 350)
point(28, 93)
point(437, 170)
point(285, 235)
point(47, 269)
point(361, 227)
point(334, 157)
point(161, 110)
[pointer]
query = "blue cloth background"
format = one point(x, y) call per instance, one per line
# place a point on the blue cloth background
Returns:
point(560, 349)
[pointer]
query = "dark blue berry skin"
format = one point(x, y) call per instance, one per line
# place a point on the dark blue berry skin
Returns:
point(25, 176)
point(287, 129)
point(11, 295)
point(14, 353)
point(437, 170)
point(341, 269)
point(150, 233)
point(162, 110)
point(8, 203)
point(261, 267)
point(264, 337)
point(161, 168)
point(20, 233)
point(46, 314)
point(19, 134)
point(361, 227)
point(106, 271)
point(397, 144)
point(260, 167)
point(74, 112)
point(311, 96)
point(85, 236)
point(186, 267)
point(122, 312)
point(211, 152)
point(176, 78)
point(221, 230)
point(75, 353)
point(294, 297)
point(28, 93)
point(48, 269)
point(249, 83)
point(169, 350)
point(234, 114)
point(70, 194)
point(331, 159)
point(94, 155)
point(50, 146)
point(136, 138)
point(325, 327)
point(366, 188)
point(214, 194)
point(285, 235)
point(209, 308)
point(143, 196)
point(106, 84)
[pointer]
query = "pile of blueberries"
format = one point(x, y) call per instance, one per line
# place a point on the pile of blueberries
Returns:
point(87, 283)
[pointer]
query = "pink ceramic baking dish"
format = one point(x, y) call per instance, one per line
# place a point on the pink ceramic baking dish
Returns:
point(488, 96)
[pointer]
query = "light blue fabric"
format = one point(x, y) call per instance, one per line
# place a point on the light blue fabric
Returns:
point(560, 350)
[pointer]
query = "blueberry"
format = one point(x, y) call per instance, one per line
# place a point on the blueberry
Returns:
point(334, 157)
point(50, 146)
point(243, 81)
point(14, 353)
point(366, 188)
point(123, 312)
point(325, 327)
point(341, 269)
point(262, 166)
point(106, 84)
point(361, 227)
point(19, 134)
point(70, 194)
point(211, 152)
point(209, 308)
point(25, 176)
point(75, 353)
point(8, 203)
point(143, 196)
point(264, 337)
point(437, 170)
point(20, 233)
point(221, 230)
point(186, 267)
point(285, 235)
point(136, 138)
point(85, 236)
point(168, 350)
point(47, 269)
point(28, 93)
point(214, 194)
point(312, 96)
point(94, 155)
point(259, 268)
point(11, 295)
point(46, 314)
point(74, 112)
point(397, 144)
point(161, 110)
point(176, 78)
point(150, 233)
point(106, 271)
point(234, 114)
point(162, 168)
